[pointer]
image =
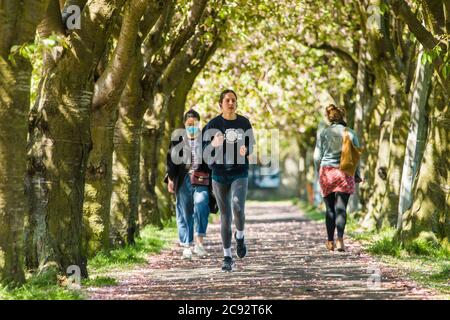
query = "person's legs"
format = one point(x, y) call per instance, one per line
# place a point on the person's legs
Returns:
point(238, 192)
point(184, 206)
point(330, 215)
point(222, 194)
point(341, 212)
point(201, 214)
point(190, 211)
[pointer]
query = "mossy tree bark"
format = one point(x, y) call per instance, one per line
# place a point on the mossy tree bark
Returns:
point(430, 207)
point(416, 135)
point(18, 23)
point(107, 93)
point(60, 140)
point(126, 168)
point(430, 211)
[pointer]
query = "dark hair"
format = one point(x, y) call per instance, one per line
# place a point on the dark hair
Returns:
point(191, 114)
point(336, 114)
point(224, 93)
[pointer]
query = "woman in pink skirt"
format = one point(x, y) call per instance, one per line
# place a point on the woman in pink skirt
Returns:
point(336, 186)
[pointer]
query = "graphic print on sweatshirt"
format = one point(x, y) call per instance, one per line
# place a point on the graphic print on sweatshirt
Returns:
point(233, 135)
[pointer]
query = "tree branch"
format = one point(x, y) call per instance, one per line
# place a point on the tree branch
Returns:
point(402, 9)
point(436, 12)
point(341, 53)
point(154, 41)
point(447, 15)
point(188, 28)
point(110, 84)
point(88, 43)
point(154, 10)
point(170, 77)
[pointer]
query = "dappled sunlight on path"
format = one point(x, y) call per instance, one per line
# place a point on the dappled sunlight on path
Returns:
point(287, 259)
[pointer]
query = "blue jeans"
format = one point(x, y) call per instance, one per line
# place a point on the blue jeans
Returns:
point(192, 207)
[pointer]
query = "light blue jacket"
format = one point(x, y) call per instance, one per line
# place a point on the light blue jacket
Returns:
point(329, 146)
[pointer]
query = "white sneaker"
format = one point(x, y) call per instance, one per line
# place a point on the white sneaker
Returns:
point(187, 254)
point(200, 250)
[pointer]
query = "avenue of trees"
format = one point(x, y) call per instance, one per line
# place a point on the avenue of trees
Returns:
point(87, 107)
point(388, 63)
point(78, 162)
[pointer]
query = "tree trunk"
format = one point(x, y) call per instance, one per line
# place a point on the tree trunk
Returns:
point(152, 130)
point(398, 135)
point(430, 211)
point(14, 105)
point(60, 141)
point(98, 187)
point(363, 101)
point(18, 22)
point(416, 135)
point(126, 168)
point(108, 90)
point(372, 219)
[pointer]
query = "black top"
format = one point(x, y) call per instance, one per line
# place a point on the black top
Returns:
point(225, 159)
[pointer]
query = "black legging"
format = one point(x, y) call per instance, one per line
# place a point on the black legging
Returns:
point(336, 215)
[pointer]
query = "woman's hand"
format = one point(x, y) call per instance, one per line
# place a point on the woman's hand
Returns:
point(243, 151)
point(171, 186)
point(218, 140)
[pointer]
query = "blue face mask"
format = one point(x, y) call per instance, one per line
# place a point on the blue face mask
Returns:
point(192, 131)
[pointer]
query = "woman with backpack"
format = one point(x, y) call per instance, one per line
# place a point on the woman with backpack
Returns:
point(336, 157)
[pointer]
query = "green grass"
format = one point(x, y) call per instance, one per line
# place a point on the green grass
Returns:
point(310, 211)
point(40, 287)
point(425, 260)
point(100, 281)
point(50, 286)
point(151, 241)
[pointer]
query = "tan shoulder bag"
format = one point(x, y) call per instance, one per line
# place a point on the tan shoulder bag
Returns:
point(350, 155)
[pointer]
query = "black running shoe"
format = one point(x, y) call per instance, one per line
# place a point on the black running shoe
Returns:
point(228, 264)
point(241, 247)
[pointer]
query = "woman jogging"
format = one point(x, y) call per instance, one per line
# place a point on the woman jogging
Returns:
point(232, 143)
point(336, 185)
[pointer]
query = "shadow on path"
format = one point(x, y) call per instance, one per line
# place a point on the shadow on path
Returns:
point(287, 259)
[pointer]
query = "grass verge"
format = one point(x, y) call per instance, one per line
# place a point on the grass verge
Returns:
point(151, 241)
point(424, 260)
point(51, 286)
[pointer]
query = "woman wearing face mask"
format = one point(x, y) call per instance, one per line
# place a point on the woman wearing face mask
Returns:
point(232, 143)
point(189, 178)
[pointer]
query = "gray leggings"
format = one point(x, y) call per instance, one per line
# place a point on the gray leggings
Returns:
point(230, 200)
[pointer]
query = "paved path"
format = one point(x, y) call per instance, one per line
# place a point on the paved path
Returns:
point(287, 260)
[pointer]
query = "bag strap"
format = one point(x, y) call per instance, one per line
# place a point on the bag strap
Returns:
point(345, 131)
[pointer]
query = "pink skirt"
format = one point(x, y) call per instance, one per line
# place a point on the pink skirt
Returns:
point(332, 179)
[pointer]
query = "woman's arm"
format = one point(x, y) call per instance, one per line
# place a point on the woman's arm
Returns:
point(171, 167)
